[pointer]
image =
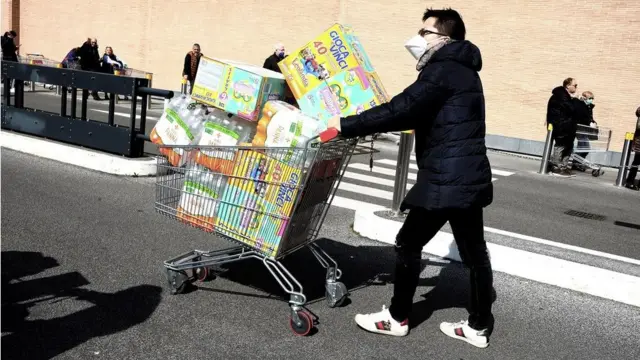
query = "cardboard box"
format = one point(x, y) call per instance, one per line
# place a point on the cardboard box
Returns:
point(334, 60)
point(235, 87)
point(258, 201)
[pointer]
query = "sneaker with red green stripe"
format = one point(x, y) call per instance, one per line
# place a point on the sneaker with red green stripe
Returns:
point(382, 323)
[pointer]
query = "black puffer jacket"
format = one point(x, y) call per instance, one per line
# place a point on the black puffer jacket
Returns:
point(89, 57)
point(561, 114)
point(445, 107)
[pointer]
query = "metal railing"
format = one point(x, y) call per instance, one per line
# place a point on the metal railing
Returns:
point(66, 126)
point(402, 173)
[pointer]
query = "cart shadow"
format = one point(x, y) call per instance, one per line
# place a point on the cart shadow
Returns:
point(46, 336)
point(362, 266)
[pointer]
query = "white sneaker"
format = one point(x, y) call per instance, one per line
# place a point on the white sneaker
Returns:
point(382, 323)
point(462, 331)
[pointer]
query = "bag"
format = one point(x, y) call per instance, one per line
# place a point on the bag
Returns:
point(593, 131)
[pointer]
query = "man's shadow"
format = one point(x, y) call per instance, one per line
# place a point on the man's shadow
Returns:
point(109, 313)
point(362, 266)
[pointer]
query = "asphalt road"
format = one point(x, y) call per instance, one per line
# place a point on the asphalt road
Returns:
point(82, 278)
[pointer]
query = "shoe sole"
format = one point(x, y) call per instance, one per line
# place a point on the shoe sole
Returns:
point(481, 346)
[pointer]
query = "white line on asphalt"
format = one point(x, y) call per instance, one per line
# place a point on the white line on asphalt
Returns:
point(415, 167)
point(371, 179)
point(363, 190)
point(563, 246)
point(354, 205)
point(379, 170)
point(385, 171)
point(124, 114)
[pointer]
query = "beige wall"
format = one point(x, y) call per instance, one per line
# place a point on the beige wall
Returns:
point(529, 47)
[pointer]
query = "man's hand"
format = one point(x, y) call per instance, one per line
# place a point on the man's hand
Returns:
point(334, 122)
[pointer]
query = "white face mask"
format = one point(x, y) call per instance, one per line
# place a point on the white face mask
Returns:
point(417, 46)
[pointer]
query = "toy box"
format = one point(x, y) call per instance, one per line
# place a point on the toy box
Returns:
point(258, 201)
point(333, 75)
point(235, 87)
point(347, 93)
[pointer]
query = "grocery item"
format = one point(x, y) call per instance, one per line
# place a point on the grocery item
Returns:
point(284, 126)
point(201, 197)
point(180, 124)
point(223, 132)
point(235, 87)
point(332, 75)
point(258, 199)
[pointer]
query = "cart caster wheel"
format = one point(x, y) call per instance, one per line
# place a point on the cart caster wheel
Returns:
point(336, 294)
point(177, 281)
point(304, 327)
point(597, 172)
point(202, 274)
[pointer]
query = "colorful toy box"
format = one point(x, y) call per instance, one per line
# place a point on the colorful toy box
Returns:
point(333, 75)
point(258, 201)
point(236, 88)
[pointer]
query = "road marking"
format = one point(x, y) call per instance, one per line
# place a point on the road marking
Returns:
point(364, 190)
point(415, 167)
point(371, 179)
point(125, 115)
point(563, 246)
point(379, 170)
point(354, 205)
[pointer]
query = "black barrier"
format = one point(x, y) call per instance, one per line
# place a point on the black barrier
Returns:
point(66, 126)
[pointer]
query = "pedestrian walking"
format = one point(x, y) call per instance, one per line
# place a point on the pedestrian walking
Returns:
point(635, 147)
point(560, 114)
point(445, 107)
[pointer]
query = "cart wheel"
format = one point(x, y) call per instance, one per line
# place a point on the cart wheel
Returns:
point(305, 325)
point(202, 274)
point(177, 281)
point(336, 294)
point(596, 172)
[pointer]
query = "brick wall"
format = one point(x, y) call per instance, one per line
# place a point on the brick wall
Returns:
point(529, 46)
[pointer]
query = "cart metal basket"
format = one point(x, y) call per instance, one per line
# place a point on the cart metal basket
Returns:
point(270, 202)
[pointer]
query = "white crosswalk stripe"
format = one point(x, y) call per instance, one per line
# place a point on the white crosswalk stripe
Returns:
point(365, 188)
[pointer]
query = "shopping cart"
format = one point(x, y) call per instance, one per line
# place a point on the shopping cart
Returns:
point(273, 203)
point(590, 139)
point(38, 59)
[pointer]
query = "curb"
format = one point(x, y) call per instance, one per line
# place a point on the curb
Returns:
point(79, 156)
point(566, 274)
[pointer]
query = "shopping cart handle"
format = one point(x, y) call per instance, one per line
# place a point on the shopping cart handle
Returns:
point(328, 135)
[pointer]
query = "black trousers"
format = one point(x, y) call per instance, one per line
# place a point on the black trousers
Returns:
point(633, 171)
point(422, 225)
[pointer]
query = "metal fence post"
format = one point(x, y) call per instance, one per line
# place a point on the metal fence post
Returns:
point(402, 172)
point(624, 159)
point(117, 97)
point(149, 77)
point(183, 88)
point(548, 144)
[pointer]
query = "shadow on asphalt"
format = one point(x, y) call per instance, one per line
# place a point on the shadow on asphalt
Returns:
point(361, 266)
point(108, 313)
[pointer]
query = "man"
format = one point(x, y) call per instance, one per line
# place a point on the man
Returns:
point(445, 107)
point(191, 63)
point(272, 61)
point(9, 47)
point(583, 116)
point(560, 114)
point(90, 59)
point(635, 147)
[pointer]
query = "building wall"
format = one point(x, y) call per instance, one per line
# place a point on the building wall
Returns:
point(529, 47)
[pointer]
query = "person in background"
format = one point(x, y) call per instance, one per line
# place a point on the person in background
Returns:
point(560, 114)
point(446, 108)
point(583, 116)
point(635, 147)
point(272, 61)
point(9, 47)
point(191, 62)
point(71, 60)
point(109, 63)
point(90, 59)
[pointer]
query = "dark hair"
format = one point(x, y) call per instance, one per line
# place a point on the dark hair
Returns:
point(196, 44)
point(13, 33)
point(638, 112)
point(567, 82)
point(449, 22)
